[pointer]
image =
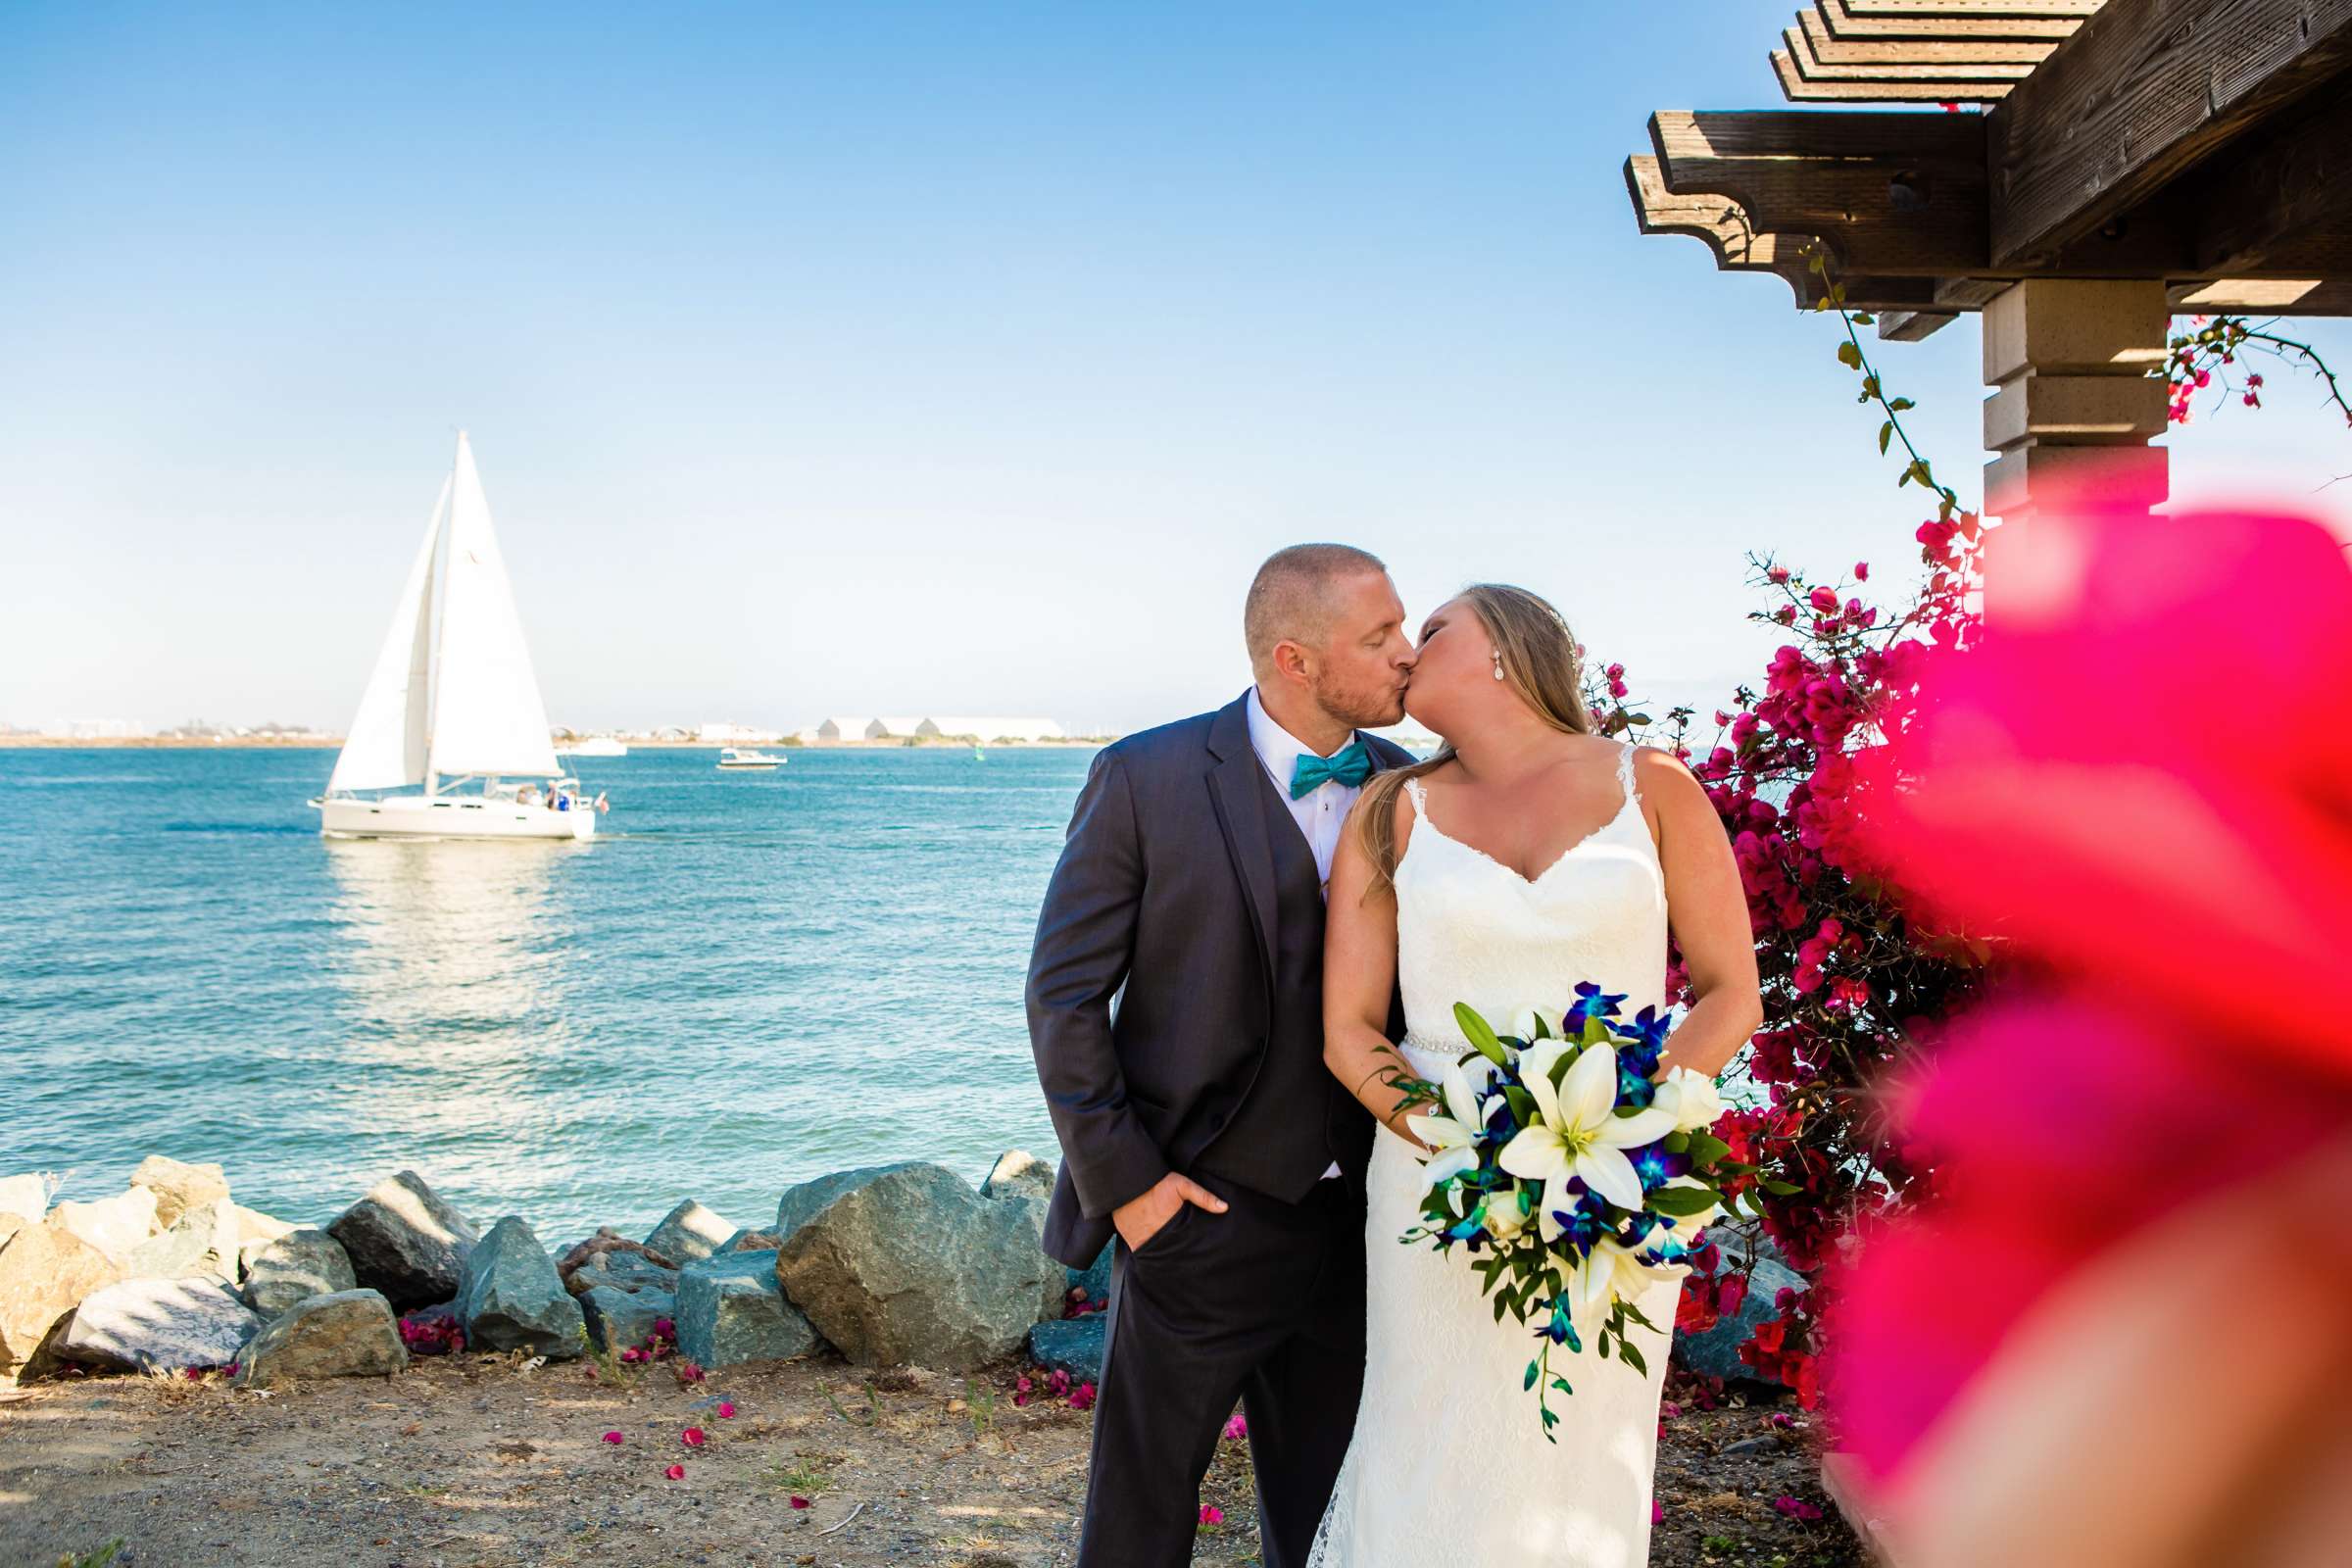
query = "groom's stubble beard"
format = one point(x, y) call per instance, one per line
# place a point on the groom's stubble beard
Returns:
point(1355, 707)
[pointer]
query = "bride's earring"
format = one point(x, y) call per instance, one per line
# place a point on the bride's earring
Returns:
point(1499, 664)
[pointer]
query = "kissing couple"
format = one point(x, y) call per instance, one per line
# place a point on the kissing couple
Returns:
point(1257, 912)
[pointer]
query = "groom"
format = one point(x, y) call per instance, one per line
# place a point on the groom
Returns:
point(1198, 1121)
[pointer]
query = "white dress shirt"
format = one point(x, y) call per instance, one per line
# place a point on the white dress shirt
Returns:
point(1319, 812)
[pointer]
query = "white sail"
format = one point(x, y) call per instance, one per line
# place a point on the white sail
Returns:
point(487, 712)
point(386, 745)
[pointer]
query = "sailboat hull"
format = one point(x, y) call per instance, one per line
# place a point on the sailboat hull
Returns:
point(450, 816)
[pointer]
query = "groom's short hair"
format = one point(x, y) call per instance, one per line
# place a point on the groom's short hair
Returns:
point(1292, 595)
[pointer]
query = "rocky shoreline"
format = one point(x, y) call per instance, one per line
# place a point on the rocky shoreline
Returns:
point(889, 1265)
point(904, 1264)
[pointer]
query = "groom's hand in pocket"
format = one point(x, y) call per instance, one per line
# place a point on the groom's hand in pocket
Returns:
point(1140, 1219)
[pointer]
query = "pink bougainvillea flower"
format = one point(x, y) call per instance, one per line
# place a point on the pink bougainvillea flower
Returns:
point(1796, 1508)
point(612, 1437)
point(676, 1472)
point(694, 1436)
point(1211, 1514)
point(2180, 894)
point(1236, 1425)
point(1657, 1512)
point(1082, 1397)
point(690, 1372)
point(726, 1409)
point(799, 1502)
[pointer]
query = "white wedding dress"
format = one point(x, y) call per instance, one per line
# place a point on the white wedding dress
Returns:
point(1449, 1467)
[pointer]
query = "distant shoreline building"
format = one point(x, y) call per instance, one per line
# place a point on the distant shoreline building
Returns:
point(908, 727)
point(989, 729)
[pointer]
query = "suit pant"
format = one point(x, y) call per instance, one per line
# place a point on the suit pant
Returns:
point(1263, 1303)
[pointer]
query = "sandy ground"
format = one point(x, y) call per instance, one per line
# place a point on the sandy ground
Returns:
point(473, 1460)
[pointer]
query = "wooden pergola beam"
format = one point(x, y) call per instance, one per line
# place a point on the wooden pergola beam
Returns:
point(1832, 50)
point(2143, 92)
point(1740, 246)
point(1845, 20)
point(1800, 89)
point(1901, 67)
point(1889, 194)
point(2276, 194)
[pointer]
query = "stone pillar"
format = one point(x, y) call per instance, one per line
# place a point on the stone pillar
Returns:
point(2067, 360)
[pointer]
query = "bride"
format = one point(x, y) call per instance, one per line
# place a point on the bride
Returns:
point(1480, 876)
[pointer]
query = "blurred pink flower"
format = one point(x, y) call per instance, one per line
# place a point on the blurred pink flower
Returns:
point(2184, 888)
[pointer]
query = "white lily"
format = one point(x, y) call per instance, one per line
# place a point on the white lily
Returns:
point(1577, 1131)
point(1692, 1099)
point(1454, 1135)
point(1610, 1271)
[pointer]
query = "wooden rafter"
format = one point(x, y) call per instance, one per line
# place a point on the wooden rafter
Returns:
point(1906, 68)
point(1832, 50)
point(1889, 194)
point(1800, 89)
point(1740, 246)
point(1844, 21)
point(2142, 93)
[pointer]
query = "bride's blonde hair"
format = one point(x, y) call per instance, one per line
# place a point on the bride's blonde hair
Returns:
point(1540, 662)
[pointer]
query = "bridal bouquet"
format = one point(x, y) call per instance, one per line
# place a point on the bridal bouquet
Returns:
point(1580, 1181)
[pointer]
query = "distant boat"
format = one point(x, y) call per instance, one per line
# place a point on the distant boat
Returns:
point(453, 701)
point(748, 758)
point(594, 746)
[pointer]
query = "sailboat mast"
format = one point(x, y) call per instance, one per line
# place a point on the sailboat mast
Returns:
point(432, 773)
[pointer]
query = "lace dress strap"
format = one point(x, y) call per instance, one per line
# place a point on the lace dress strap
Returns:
point(1412, 787)
point(1625, 772)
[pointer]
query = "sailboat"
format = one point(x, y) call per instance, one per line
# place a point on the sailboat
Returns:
point(453, 701)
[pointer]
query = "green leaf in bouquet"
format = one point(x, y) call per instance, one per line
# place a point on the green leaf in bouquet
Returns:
point(1681, 1203)
point(1480, 1034)
point(1631, 1356)
point(1780, 1188)
point(1595, 1032)
point(1676, 1142)
point(1707, 1148)
point(1503, 1303)
point(1530, 1381)
point(1523, 1105)
point(1562, 1384)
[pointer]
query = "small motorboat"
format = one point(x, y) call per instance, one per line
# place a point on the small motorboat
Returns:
point(747, 759)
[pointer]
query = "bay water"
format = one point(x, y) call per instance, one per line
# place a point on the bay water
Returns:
point(748, 979)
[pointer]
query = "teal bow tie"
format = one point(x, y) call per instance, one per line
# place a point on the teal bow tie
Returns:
point(1351, 766)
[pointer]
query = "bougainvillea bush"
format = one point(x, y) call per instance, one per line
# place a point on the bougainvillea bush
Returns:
point(1851, 985)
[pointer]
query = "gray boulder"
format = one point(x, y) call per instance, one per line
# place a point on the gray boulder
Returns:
point(1072, 1345)
point(619, 1320)
point(906, 1263)
point(345, 1333)
point(178, 1188)
point(1716, 1352)
point(296, 1266)
point(116, 1225)
point(731, 1310)
point(509, 1298)
point(145, 1325)
point(405, 1242)
point(201, 1240)
point(800, 1203)
point(257, 1230)
point(621, 1272)
point(689, 1232)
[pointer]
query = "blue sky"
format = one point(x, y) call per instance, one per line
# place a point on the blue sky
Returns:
point(893, 358)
